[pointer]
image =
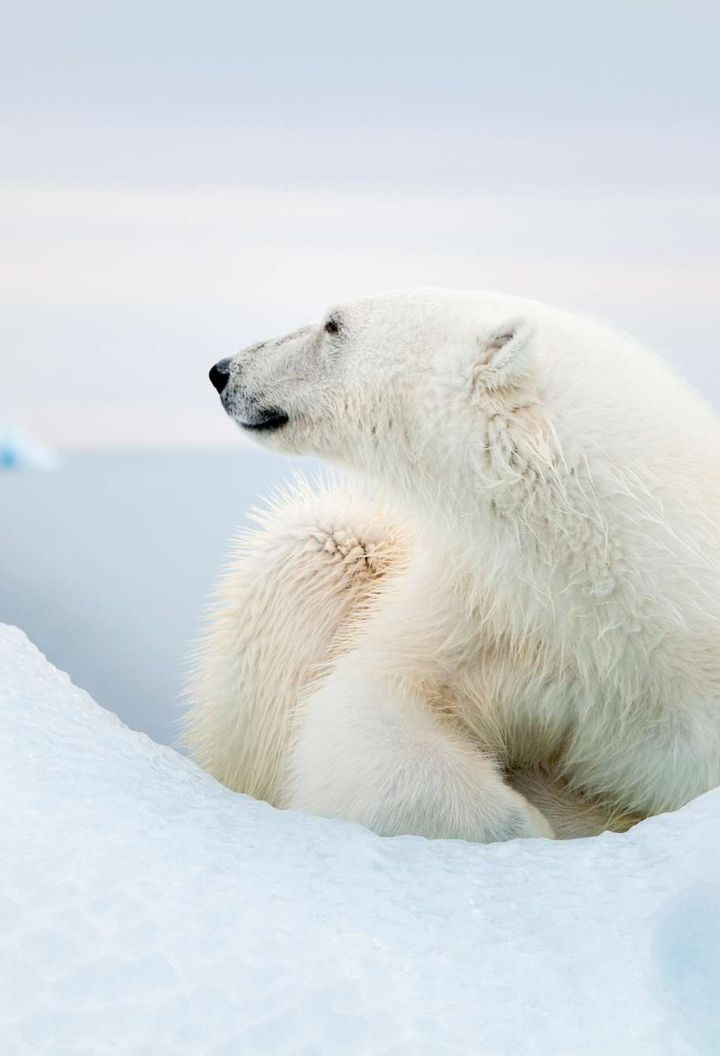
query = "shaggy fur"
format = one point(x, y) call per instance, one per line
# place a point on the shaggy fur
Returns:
point(525, 612)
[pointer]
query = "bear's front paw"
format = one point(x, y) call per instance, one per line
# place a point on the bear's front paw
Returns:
point(432, 800)
point(498, 813)
point(532, 822)
point(373, 754)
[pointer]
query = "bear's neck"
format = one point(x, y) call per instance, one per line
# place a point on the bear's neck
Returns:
point(540, 545)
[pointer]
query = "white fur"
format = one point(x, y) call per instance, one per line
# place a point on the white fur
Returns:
point(540, 609)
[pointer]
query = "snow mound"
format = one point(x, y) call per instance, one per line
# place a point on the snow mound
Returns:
point(144, 909)
point(20, 451)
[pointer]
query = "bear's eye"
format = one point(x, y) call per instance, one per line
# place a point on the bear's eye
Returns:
point(332, 326)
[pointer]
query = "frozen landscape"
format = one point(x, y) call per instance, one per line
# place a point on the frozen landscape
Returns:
point(180, 182)
point(145, 909)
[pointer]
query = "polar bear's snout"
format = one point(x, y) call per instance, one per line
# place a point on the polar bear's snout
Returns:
point(243, 406)
point(272, 384)
point(220, 374)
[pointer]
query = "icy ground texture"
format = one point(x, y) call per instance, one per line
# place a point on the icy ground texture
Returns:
point(145, 909)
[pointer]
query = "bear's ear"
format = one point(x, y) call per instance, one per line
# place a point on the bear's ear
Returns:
point(506, 356)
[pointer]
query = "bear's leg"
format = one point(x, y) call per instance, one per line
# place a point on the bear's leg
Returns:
point(373, 752)
point(280, 608)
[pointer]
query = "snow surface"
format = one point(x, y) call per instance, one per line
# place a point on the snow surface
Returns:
point(144, 909)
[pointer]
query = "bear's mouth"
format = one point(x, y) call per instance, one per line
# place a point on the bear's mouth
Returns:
point(266, 420)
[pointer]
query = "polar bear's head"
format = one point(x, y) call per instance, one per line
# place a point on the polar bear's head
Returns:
point(395, 383)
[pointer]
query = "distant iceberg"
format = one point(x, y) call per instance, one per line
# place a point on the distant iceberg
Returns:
point(20, 451)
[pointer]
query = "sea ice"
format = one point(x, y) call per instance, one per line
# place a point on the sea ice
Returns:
point(144, 909)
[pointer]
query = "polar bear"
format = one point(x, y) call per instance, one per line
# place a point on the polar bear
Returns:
point(506, 620)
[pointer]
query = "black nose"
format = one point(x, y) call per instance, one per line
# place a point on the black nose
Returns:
point(220, 373)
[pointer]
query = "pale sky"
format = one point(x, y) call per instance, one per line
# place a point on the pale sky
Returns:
point(179, 180)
